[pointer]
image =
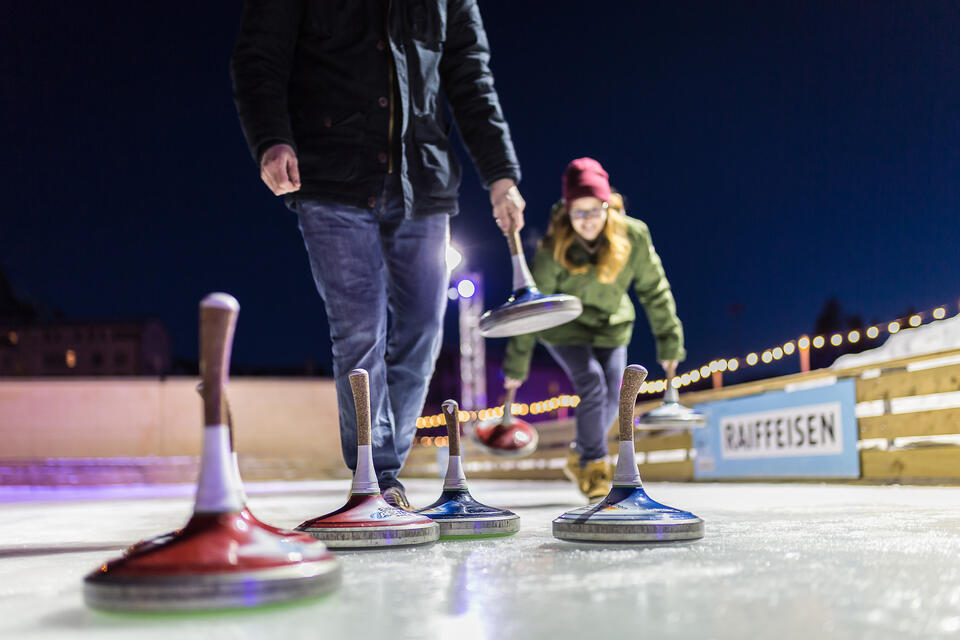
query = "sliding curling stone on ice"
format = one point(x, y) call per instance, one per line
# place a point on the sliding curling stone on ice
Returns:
point(671, 413)
point(627, 514)
point(459, 515)
point(223, 557)
point(509, 436)
point(527, 310)
point(366, 520)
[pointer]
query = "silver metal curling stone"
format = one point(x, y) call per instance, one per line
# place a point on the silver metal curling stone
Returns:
point(671, 413)
point(527, 310)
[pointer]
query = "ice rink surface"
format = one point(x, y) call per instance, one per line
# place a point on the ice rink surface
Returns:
point(777, 561)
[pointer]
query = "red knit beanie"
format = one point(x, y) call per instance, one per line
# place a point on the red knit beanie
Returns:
point(585, 178)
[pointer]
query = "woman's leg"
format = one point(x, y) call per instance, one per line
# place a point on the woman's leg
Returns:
point(589, 381)
point(613, 361)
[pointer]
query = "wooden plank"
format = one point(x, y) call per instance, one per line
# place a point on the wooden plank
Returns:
point(655, 472)
point(679, 471)
point(491, 474)
point(518, 474)
point(902, 383)
point(774, 384)
point(472, 453)
point(475, 454)
point(664, 443)
point(937, 463)
point(897, 364)
point(747, 388)
point(939, 422)
point(654, 443)
point(421, 455)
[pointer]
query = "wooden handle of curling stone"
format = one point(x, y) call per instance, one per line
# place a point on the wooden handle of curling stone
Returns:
point(451, 415)
point(508, 407)
point(360, 385)
point(513, 239)
point(218, 320)
point(633, 377)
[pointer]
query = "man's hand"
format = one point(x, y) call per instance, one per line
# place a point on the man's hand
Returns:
point(279, 170)
point(508, 205)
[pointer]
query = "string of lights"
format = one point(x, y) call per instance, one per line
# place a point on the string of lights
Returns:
point(519, 409)
point(720, 365)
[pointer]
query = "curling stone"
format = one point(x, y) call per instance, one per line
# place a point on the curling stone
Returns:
point(366, 520)
point(506, 437)
point(671, 413)
point(223, 557)
point(244, 512)
point(527, 310)
point(627, 514)
point(459, 515)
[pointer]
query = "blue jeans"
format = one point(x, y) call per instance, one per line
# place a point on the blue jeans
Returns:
point(366, 263)
point(595, 373)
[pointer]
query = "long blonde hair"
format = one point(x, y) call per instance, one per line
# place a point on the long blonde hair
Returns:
point(615, 245)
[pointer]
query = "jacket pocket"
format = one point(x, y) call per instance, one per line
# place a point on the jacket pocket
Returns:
point(319, 122)
point(438, 172)
point(330, 144)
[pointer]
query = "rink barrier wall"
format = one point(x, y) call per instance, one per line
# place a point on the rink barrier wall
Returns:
point(547, 462)
point(145, 430)
point(908, 422)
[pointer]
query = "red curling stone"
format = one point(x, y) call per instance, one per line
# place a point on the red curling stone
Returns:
point(224, 557)
point(366, 520)
point(507, 437)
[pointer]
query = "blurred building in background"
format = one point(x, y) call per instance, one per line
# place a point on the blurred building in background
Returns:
point(34, 342)
point(139, 348)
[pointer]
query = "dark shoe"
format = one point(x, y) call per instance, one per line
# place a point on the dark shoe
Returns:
point(395, 497)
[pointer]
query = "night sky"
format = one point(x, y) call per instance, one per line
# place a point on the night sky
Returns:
point(781, 153)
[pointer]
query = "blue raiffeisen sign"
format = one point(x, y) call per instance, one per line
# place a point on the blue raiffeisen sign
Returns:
point(803, 433)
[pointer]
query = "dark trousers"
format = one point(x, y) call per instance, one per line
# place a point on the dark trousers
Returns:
point(595, 373)
point(368, 263)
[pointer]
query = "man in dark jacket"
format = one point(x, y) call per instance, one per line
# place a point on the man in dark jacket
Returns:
point(343, 106)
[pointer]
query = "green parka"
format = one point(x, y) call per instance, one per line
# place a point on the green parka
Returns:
point(608, 313)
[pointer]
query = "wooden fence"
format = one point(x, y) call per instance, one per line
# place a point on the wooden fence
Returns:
point(908, 421)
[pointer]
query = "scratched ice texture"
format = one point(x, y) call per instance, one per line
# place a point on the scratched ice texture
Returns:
point(778, 561)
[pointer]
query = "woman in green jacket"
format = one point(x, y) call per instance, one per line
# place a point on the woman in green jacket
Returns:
point(592, 250)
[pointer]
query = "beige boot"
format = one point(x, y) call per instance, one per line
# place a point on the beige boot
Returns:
point(597, 479)
point(573, 470)
point(593, 479)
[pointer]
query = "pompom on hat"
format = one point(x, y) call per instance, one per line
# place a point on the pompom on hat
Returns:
point(585, 178)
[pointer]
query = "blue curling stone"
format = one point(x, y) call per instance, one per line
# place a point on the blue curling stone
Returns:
point(627, 514)
point(461, 516)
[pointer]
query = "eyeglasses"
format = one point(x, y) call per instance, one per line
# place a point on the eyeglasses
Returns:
point(589, 214)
